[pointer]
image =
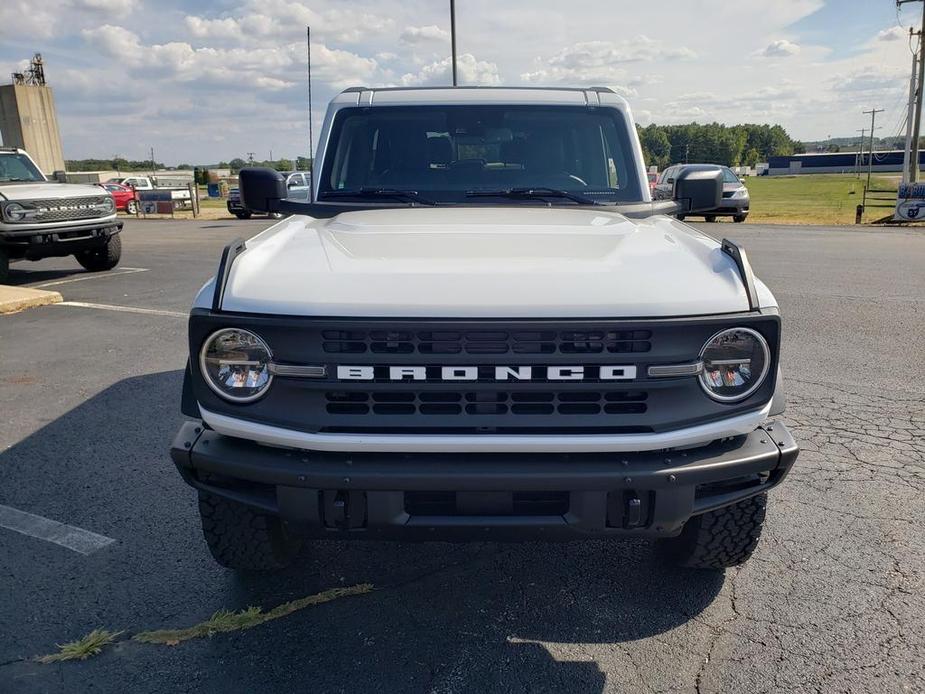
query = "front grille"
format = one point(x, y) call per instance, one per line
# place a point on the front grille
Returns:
point(487, 402)
point(66, 209)
point(486, 342)
point(533, 503)
point(505, 387)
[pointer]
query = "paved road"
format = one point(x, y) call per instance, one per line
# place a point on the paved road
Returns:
point(833, 601)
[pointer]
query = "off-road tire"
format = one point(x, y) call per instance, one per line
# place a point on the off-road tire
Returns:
point(4, 265)
point(242, 215)
point(243, 538)
point(719, 539)
point(680, 217)
point(710, 218)
point(739, 218)
point(106, 257)
point(131, 207)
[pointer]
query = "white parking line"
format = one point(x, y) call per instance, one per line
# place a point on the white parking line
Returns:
point(75, 539)
point(124, 309)
point(92, 276)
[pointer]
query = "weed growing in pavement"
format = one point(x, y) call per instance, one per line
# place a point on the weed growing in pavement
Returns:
point(219, 623)
point(81, 649)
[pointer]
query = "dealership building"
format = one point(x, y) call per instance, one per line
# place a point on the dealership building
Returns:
point(890, 161)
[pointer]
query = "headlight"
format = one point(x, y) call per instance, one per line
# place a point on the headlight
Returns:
point(106, 205)
point(14, 212)
point(236, 364)
point(741, 193)
point(735, 363)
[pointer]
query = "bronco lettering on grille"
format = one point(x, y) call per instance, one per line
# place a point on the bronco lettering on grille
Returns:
point(476, 373)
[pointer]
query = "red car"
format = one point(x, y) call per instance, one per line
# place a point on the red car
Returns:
point(124, 196)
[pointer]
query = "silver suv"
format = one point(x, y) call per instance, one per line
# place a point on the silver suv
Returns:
point(42, 219)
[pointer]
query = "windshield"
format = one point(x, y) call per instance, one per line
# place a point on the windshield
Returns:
point(730, 177)
point(449, 152)
point(18, 168)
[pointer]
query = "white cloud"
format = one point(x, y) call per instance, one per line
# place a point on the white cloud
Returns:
point(118, 9)
point(781, 48)
point(892, 34)
point(424, 34)
point(469, 72)
point(601, 62)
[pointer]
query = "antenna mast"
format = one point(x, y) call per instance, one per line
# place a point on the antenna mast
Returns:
point(311, 135)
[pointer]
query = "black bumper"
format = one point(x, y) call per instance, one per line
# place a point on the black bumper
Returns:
point(484, 496)
point(235, 206)
point(48, 243)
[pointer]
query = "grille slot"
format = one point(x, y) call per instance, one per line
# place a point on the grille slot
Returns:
point(525, 403)
point(487, 342)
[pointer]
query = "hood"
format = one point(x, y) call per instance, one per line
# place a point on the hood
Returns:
point(484, 262)
point(46, 191)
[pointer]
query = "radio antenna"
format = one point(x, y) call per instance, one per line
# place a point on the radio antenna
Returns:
point(311, 136)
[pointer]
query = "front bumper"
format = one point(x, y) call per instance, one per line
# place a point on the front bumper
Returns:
point(235, 206)
point(462, 496)
point(53, 241)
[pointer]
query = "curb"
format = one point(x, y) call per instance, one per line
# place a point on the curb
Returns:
point(14, 299)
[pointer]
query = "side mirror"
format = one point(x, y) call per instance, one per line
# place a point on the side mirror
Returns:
point(262, 189)
point(59, 176)
point(699, 190)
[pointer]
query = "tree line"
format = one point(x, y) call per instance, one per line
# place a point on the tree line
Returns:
point(129, 165)
point(714, 143)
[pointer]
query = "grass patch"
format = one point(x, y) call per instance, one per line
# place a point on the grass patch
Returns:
point(90, 645)
point(815, 198)
point(225, 621)
point(222, 621)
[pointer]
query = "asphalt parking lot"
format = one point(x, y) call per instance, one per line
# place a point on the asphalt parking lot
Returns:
point(833, 601)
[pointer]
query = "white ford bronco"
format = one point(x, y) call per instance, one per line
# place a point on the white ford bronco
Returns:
point(42, 219)
point(482, 327)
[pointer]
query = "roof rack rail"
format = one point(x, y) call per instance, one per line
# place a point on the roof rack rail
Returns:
point(738, 255)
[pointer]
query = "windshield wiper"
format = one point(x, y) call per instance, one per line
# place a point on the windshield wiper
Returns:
point(410, 195)
point(532, 194)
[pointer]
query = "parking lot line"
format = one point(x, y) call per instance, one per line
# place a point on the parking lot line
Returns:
point(124, 309)
point(73, 538)
point(92, 276)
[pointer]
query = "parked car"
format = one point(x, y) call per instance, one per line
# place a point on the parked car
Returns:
point(735, 202)
point(480, 328)
point(180, 195)
point(298, 183)
point(653, 179)
point(45, 219)
point(124, 196)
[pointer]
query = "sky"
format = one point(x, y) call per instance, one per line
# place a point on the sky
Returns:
point(212, 80)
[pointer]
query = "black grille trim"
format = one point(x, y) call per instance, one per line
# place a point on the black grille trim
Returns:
point(481, 342)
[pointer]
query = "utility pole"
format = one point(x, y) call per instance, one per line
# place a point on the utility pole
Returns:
point(909, 168)
point(870, 157)
point(917, 126)
point(859, 157)
point(250, 158)
point(453, 37)
point(153, 166)
point(687, 153)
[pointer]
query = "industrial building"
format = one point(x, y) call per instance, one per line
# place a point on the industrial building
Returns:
point(28, 119)
point(890, 161)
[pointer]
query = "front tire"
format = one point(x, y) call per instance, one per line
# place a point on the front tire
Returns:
point(242, 538)
point(739, 218)
point(719, 539)
point(242, 215)
point(131, 207)
point(104, 258)
point(4, 265)
point(710, 218)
